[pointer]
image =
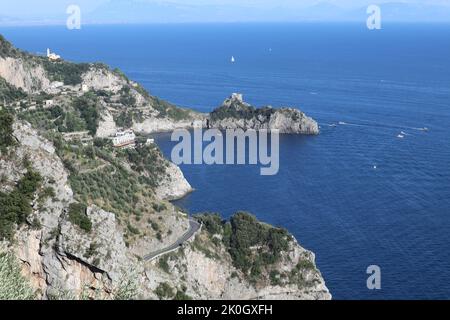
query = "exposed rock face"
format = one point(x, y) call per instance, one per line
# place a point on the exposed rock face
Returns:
point(237, 114)
point(102, 79)
point(107, 126)
point(152, 125)
point(29, 77)
point(103, 247)
point(174, 185)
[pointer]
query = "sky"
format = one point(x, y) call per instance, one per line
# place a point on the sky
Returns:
point(104, 11)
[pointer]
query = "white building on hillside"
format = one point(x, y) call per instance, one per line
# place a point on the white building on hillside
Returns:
point(52, 56)
point(48, 103)
point(124, 139)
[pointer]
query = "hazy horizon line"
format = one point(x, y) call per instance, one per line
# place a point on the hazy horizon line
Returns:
point(63, 24)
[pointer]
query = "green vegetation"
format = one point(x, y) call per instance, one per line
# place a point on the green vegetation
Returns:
point(9, 93)
point(240, 111)
point(43, 119)
point(15, 207)
point(163, 264)
point(13, 285)
point(253, 246)
point(63, 71)
point(146, 160)
point(87, 106)
point(181, 295)
point(6, 48)
point(92, 250)
point(6, 130)
point(126, 98)
point(101, 175)
point(246, 233)
point(124, 119)
point(132, 229)
point(110, 188)
point(305, 265)
point(205, 247)
point(46, 193)
point(127, 288)
point(73, 122)
point(164, 291)
point(82, 115)
point(169, 110)
point(159, 207)
point(77, 216)
point(213, 222)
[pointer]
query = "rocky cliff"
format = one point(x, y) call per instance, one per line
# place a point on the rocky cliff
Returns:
point(237, 114)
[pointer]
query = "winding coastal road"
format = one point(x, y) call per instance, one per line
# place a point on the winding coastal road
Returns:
point(194, 226)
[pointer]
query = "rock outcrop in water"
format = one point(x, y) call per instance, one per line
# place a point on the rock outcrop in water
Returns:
point(235, 113)
point(90, 213)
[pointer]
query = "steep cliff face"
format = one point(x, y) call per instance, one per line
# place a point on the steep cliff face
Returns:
point(26, 76)
point(237, 114)
point(173, 185)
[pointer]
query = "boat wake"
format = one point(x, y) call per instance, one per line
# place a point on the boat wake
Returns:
point(378, 125)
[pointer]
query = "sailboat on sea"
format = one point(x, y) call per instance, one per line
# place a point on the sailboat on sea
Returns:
point(233, 60)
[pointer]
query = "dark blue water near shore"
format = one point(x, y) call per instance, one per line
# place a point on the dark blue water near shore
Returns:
point(328, 192)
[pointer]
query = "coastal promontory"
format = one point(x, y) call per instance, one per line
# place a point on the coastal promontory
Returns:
point(235, 113)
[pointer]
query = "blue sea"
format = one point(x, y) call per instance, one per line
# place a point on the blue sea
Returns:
point(356, 195)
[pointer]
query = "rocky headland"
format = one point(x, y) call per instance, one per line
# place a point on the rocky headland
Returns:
point(235, 113)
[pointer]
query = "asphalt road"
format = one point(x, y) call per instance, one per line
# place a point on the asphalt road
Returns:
point(194, 226)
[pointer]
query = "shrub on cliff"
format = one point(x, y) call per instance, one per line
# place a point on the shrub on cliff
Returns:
point(16, 205)
point(169, 110)
point(9, 93)
point(253, 246)
point(6, 48)
point(164, 291)
point(87, 106)
point(13, 285)
point(248, 233)
point(66, 72)
point(6, 130)
point(77, 216)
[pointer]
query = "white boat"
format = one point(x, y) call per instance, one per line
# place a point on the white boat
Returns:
point(400, 136)
point(233, 60)
point(342, 123)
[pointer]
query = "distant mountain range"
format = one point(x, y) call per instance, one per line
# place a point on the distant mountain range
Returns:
point(122, 11)
point(134, 11)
